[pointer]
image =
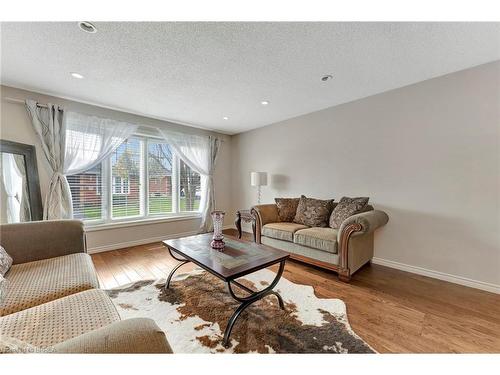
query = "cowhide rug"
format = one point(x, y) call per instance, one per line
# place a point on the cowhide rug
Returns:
point(194, 312)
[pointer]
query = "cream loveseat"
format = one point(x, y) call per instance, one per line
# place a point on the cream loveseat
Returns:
point(342, 250)
point(53, 302)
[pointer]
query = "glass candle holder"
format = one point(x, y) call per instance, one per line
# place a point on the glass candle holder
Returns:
point(218, 237)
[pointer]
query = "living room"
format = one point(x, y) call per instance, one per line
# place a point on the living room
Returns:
point(250, 187)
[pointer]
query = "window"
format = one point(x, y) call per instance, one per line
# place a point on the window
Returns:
point(120, 185)
point(86, 193)
point(143, 178)
point(189, 188)
point(160, 169)
point(126, 170)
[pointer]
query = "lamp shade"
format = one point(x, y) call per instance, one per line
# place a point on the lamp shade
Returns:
point(258, 178)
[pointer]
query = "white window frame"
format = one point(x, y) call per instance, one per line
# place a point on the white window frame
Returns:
point(107, 192)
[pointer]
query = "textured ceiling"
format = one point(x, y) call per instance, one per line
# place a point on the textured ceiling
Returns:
point(197, 73)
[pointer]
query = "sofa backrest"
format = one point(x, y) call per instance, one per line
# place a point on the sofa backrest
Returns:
point(35, 240)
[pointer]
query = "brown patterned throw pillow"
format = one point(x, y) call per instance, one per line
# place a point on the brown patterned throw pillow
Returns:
point(345, 208)
point(287, 208)
point(313, 212)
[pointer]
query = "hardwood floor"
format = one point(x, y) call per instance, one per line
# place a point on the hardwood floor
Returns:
point(394, 311)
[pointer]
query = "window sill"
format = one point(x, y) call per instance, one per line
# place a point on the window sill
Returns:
point(132, 223)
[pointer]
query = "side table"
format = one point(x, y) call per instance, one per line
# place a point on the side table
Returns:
point(247, 217)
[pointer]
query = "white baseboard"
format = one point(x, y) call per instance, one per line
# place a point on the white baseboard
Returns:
point(143, 241)
point(493, 288)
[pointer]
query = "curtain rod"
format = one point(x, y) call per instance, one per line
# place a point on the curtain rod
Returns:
point(20, 101)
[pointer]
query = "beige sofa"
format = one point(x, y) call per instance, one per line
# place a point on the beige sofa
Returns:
point(53, 301)
point(344, 250)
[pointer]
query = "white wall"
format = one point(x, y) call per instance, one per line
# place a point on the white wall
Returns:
point(427, 154)
point(16, 126)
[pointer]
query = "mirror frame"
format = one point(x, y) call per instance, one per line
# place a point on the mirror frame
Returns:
point(29, 153)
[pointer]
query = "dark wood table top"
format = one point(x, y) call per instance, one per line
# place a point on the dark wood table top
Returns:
point(238, 258)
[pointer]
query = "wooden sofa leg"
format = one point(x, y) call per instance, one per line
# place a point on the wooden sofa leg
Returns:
point(344, 276)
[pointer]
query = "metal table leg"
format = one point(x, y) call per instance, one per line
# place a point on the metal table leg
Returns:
point(183, 262)
point(247, 301)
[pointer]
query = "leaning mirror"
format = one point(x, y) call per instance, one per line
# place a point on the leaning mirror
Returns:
point(20, 198)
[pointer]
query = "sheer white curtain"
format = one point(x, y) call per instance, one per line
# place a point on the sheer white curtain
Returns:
point(24, 199)
point(199, 152)
point(13, 183)
point(90, 139)
point(72, 142)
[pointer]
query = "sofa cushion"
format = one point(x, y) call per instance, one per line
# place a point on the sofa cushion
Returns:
point(60, 320)
point(34, 283)
point(313, 212)
point(135, 335)
point(346, 208)
point(281, 231)
point(287, 208)
point(5, 261)
point(302, 251)
point(317, 238)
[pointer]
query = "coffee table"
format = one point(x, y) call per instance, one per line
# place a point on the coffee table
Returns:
point(237, 259)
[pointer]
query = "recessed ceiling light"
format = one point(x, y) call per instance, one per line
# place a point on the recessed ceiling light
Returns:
point(76, 75)
point(225, 118)
point(326, 77)
point(87, 27)
point(264, 102)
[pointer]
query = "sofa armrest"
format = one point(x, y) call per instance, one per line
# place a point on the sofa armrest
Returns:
point(36, 240)
point(137, 335)
point(365, 222)
point(355, 251)
point(264, 214)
